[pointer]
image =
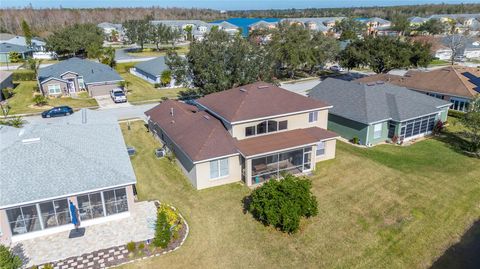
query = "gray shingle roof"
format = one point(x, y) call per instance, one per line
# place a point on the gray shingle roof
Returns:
point(69, 158)
point(154, 67)
point(369, 103)
point(91, 71)
point(8, 47)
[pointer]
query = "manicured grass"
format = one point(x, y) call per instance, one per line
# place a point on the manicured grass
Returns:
point(153, 52)
point(383, 207)
point(22, 100)
point(140, 90)
point(439, 62)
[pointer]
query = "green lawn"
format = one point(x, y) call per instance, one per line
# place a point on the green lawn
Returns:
point(22, 101)
point(153, 52)
point(437, 62)
point(383, 207)
point(140, 90)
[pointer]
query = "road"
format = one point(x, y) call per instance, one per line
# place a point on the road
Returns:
point(120, 113)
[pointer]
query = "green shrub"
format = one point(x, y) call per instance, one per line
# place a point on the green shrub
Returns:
point(16, 122)
point(141, 246)
point(281, 203)
point(8, 259)
point(24, 75)
point(7, 93)
point(131, 246)
point(456, 114)
point(355, 140)
point(157, 85)
point(40, 100)
point(162, 231)
point(48, 266)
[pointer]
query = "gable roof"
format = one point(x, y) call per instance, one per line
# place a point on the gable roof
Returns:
point(91, 71)
point(197, 133)
point(225, 25)
point(452, 80)
point(8, 47)
point(56, 166)
point(370, 103)
point(154, 67)
point(257, 100)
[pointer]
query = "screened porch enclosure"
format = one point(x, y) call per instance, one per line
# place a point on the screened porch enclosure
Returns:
point(274, 165)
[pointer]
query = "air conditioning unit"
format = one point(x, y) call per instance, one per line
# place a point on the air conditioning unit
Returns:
point(160, 152)
point(131, 151)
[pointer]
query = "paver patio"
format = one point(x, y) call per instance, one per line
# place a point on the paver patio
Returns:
point(138, 227)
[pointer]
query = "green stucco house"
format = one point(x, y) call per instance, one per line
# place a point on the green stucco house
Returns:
point(378, 112)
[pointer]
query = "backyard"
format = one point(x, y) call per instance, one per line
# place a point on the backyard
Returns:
point(22, 100)
point(141, 90)
point(152, 51)
point(383, 207)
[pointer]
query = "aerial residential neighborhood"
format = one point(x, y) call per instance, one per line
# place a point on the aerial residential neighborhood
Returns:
point(227, 134)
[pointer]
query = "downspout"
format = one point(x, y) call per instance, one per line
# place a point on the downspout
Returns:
point(367, 138)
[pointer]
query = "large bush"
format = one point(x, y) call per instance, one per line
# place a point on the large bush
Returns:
point(281, 203)
point(24, 75)
point(8, 260)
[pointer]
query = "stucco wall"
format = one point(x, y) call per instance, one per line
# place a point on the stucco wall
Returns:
point(382, 138)
point(203, 173)
point(296, 121)
point(6, 83)
point(5, 233)
point(330, 151)
point(347, 128)
point(63, 87)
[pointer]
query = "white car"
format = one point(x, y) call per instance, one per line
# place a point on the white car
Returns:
point(336, 68)
point(118, 95)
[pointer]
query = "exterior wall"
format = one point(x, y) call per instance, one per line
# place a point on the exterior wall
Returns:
point(62, 84)
point(144, 75)
point(103, 89)
point(348, 129)
point(6, 83)
point(330, 151)
point(382, 138)
point(297, 121)
point(69, 76)
point(5, 233)
point(203, 173)
point(444, 114)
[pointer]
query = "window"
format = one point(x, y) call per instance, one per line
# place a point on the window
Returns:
point(249, 131)
point(320, 148)
point(262, 127)
point(115, 201)
point(417, 126)
point(23, 219)
point(282, 125)
point(377, 130)
point(272, 126)
point(90, 206)
point(219, 168)
point(55, 213)
point(54, 89)
point(313, 116)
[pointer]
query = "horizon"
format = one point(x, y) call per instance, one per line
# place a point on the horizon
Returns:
point(227, 5)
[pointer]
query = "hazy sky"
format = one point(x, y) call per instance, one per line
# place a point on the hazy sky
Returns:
point(221, 4)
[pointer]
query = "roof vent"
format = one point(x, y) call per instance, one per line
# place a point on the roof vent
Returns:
point(263, 86)
point(371, 84)
point(171, 111)
point(30, 140)
point(243, 90)
point(379, 82)
point(206, 117)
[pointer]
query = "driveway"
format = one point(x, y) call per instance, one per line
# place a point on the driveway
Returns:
point(106, 102)
point(301, 87)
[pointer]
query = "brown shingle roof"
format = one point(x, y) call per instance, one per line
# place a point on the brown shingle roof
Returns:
point(257, 100)
point(283, 140)
point(197, 133)
point(452, 80)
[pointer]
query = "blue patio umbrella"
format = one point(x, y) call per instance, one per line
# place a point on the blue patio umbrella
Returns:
point(73, 213)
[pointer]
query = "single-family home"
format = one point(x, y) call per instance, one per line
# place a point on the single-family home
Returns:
point(6, 81)
point(71, 76)
point(80, 159)
point(152, 71)
point(262, 25)
point(7, 48)
point(455, 84)
point(251, 133)
point(114, 32)
point(321, 24)
point(416, 21)
point(230, 28)
point(37, 46)
point(377, 112)
point(198, 28)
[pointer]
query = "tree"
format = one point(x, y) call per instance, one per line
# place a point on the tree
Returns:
point(383, 54)
point(8, 260)
point(27, 33)
point(172, 35)
point(14, 57)
point(432, 26)
point(455, 42)
point(108, 56)
point(159, 34)
point(401, 24)
point(114, 35)
point(162, 231)
point(349, 29)
point(178, 66)
point(166, 77)
point(138, 31)
point(471, 121)
point(33, 64)
point(189, 31)
point(76, 39)
point(281, 203)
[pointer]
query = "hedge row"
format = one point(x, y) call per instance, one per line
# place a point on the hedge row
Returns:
point(24, 75)
point(456, 114)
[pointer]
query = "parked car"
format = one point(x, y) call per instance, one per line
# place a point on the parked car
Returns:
point(57, 112)
point(336, 68)
point(118, 95)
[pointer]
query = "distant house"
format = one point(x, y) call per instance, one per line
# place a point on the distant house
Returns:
point(455, 84)
point(114, 32)
point(378, 112)
point(6, 81)
point(7, 48)
point(80, 159)
point(262, 25)
point(74, 75)
point(230, 28)
point(199, 28)
point(38, 47)
point(322, 24)
point(152, 70)
point(417, 21)
point(251, 133)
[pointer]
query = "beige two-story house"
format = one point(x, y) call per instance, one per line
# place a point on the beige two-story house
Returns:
point(251, 133)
